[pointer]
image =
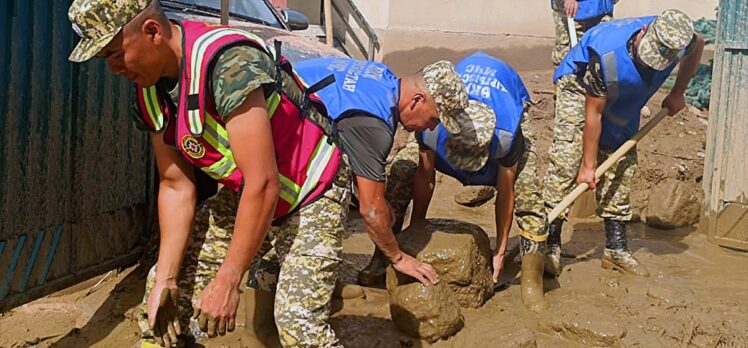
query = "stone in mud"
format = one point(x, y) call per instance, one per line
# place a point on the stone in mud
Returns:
point(584, 323)
point(460, 253)
point(671, 205)
point(473, 196)
point(428, 312)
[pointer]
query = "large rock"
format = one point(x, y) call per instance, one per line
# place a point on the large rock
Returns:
point(671, 204)
point(459, 252)
point(428, 312)
point(473, 196)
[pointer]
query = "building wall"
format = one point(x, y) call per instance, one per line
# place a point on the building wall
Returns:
point(415, 32)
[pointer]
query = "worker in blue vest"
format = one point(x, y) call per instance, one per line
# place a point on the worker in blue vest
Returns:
point(495, 146)
point(366, 102)
point(585, 14)
point(602, 85)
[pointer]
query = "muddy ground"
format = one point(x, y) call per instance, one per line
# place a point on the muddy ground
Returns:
point(697, 295)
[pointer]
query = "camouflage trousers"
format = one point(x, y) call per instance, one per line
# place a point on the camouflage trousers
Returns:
point(528, 204)
point(565, 157)
point(299, 261)
point(561, 46)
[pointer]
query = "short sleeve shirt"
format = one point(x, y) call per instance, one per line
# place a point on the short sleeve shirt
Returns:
point(237, 72)
point(367, 140)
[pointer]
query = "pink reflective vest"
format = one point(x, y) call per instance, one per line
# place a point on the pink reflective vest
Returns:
point(307, 159)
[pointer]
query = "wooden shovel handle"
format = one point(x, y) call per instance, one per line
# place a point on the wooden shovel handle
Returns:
point(628, 145)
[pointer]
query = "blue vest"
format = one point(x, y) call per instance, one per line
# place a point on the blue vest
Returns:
point(496, 84)
point(628, 92)
point(588, 8)
point(360, 86)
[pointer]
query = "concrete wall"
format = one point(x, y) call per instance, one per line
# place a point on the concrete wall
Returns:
point(417, 32)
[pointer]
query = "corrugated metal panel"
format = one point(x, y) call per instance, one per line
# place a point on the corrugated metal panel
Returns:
point(726, 166)
point(75, 173)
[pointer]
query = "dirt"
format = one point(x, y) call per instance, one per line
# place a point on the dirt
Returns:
point(696, 295)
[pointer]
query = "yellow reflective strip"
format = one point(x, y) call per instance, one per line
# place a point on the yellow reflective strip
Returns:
point(157, 116)
point(221, 131)
point(272, 103)
point(288, 182)
point(221, 169)
point(200, 48)
point(147, 100)
point(317, 165)
point(284, 195)
point(213, 129)
point(289, 191)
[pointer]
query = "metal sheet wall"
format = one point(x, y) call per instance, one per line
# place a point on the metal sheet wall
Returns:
point(74, 172)
point(726, 166)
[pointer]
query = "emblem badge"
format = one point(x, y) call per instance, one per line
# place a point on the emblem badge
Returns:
point(192, 147)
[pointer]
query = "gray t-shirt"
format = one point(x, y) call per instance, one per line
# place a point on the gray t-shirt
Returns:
point(367, 140)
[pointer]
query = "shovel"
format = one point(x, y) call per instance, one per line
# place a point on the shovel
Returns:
point(612, 159)
point(581, 188)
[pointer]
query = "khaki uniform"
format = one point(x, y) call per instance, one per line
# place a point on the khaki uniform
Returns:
point(302, 255)
point(561, 46)
point(528, 201)
point(299, 260)
point(565, 157)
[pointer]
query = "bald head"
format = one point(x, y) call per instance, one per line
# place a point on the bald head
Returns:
point(418, 110)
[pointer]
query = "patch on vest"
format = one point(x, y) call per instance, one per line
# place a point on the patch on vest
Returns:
point(193, 147)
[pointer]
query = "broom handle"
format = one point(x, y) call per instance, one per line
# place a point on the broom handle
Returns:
point(572, 31)
point(628, 145)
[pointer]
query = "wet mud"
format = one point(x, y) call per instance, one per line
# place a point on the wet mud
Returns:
point(696, 295)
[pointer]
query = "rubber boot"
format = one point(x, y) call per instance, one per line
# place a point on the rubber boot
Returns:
point(374, 273)
point(531, 278)
point(617, 255)
point(260, 322)
point(552, 264)
point(348, 291)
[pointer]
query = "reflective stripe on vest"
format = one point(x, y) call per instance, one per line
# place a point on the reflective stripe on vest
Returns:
point(431, 138)
point(307, 160)
point(359, 86)
point(611, 80)
point(629, 86)
point(199, 50)
point(151, 105)
point(506, 138)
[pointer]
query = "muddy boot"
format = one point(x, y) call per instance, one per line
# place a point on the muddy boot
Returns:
point(531, 278)
point(348, 291)
point(260, 322)
point(617, 255)
point(552, 264)
point(374, 273)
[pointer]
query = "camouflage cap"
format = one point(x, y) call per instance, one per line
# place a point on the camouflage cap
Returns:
point(97, 22)
point(447, 90)
point(468, 149)
point(668, 34)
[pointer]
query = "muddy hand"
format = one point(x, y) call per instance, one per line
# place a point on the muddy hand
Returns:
point(416, 269)
point(216, 310)
point(163, 316)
